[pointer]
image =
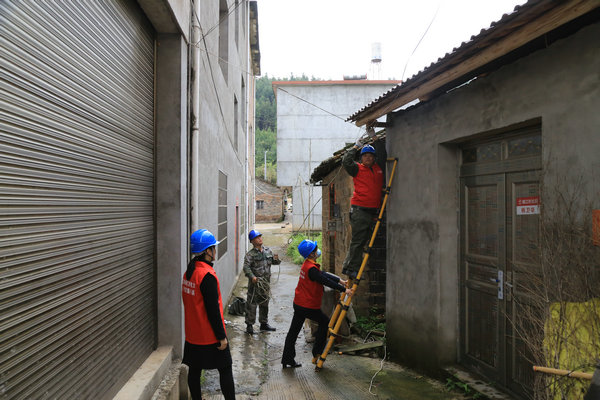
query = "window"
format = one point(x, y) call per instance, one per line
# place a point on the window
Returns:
point(236, 122)
point(243, 216)
point(223, 38)
point(260, 204)
point(222, 222)
point(244, 106)
point(237, 22)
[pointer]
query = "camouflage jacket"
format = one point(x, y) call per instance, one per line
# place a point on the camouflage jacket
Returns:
point(258, 263)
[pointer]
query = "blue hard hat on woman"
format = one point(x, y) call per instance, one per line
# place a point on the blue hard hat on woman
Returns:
point(306, 247)
point(367, 149)
point(201, 240)
point(254, 234)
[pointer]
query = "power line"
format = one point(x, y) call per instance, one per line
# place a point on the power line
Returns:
point(420, 40)
point(230, 10)
point(212, 77)
point(312, 104)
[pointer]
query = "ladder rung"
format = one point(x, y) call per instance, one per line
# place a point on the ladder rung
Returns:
point(332, 333)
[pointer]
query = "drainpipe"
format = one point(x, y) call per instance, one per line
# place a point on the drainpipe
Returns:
point(195, 106)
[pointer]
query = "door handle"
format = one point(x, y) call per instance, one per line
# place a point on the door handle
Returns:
point(500, 282)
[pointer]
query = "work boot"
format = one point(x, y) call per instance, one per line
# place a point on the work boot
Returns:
point(267, 327)
point(249, 329)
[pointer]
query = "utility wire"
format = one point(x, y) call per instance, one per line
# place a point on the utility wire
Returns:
point(312, 104)
point(215, 85)
point(420, 40)
point(223, 18)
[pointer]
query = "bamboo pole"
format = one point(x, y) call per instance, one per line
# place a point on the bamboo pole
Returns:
point(563, 372)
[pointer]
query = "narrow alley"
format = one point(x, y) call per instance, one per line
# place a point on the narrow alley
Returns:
point(257, 358)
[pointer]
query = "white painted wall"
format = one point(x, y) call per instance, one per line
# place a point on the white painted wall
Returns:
point(310, 131)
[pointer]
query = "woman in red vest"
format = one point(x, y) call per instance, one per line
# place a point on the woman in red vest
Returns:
point(307, 302)
point(206, 345)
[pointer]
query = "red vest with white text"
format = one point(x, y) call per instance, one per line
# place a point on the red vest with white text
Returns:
point(197, 327)
point(367, 186)
point(308, 292)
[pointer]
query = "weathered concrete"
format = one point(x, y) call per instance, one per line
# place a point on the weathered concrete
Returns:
point(147, 378)
point(171, 187)
point(557, 86)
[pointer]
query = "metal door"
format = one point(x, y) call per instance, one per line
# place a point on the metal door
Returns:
point(522, 264)
point(77, 277)
point(500, 217)
point(483, 267)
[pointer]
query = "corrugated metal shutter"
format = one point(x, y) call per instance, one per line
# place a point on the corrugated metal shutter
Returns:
point(77, 274)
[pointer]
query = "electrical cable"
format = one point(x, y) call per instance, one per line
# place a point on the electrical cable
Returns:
point(420, 40)
point(230, 11)
point(382, 361)
point(314, 105)
point(215, 86)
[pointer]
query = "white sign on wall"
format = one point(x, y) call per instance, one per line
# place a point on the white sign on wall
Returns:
point(528, 205)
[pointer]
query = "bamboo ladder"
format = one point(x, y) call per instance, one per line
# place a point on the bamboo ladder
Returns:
point(342, 307)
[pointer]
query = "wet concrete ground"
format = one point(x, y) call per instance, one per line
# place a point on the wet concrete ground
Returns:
point(257, 358)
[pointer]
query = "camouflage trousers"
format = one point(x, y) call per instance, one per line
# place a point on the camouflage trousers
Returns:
point(257, 296)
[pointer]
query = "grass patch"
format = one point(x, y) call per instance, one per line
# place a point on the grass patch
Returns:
point(371, 323)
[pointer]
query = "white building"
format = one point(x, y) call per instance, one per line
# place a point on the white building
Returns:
point(310, 127)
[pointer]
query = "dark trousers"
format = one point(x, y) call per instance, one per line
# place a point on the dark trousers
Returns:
point(225, 379)
point(300, 315)
point(362, 223)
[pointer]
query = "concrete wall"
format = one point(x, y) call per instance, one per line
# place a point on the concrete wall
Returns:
point(560, 86)
point(214, 146)
point(308, 133)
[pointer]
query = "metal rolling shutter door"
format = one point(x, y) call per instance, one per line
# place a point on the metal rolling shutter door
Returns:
point(77, 276)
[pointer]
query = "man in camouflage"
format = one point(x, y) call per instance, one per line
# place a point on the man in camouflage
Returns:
point(257, 267)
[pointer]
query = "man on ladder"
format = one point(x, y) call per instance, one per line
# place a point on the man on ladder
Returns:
point(368, 182)
point(368, 177)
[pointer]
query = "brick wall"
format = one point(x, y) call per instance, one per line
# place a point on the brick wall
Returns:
point(271, 198)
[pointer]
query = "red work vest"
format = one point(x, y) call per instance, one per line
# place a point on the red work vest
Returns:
point(197, 327)
point(308, 292)
point(367, 186)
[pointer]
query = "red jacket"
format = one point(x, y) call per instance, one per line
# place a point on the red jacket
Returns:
point(367, 186)
point(197, 325)
point(308, 293)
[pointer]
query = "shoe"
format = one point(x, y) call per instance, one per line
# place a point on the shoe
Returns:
point(267, 327)
point(292, 364)
point(249, 329)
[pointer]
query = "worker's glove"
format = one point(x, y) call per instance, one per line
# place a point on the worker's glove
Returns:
point(371, 132)
point(360, 141)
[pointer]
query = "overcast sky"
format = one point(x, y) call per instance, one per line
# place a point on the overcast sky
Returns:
point(328, 39)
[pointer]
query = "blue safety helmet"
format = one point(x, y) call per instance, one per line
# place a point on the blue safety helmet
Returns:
point(201, 240)
point(306, 247)
point(367, 149)
point(253, 234)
